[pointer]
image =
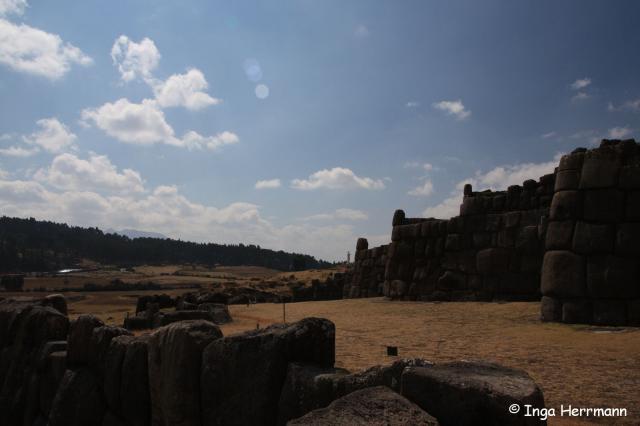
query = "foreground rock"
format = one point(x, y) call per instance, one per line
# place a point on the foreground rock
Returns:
point(175, 356)
point(464, 393)
point(242, 374)
point(308, 386)
point(372, 406)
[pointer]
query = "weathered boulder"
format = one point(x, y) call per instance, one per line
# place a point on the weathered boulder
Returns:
point(134, 383)
point(219, 312)
point(165, 318)
point(57, 302)
point(99, 344)
point(550, 309)
point(465, 393)
point(174, 360)
point(563, 274)
point(240, 372)
point(78, 401)
point(372, 406)
point(79, 340)
point(113, 370)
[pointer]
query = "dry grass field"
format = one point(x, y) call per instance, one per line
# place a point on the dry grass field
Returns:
point(579, 365)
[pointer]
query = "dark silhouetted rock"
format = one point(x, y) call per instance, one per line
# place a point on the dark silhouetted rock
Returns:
point(80, 333)
point(469, 393)
point(78, 401)
point(372, 406)
point(241, 372)
point(134, 383)
point(219, 312)
point(174, 360)
point(563, 274)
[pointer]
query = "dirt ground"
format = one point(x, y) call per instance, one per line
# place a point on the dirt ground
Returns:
point(578, 365)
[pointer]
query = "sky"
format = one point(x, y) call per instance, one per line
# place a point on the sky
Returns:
point(299, 125)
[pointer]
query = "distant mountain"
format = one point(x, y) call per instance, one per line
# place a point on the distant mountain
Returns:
point(28, 245)
point(135, 233)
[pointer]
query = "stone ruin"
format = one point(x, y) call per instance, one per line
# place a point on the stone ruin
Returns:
point(571, 238)
point(58, 372)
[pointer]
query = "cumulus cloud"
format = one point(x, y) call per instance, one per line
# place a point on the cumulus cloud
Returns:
point(53, 136)
point(165, 210)
point(581, 83)
point(186, 90)
point(455, 108)
point(337, 178)
point(142, 123)
point(620, 132)
point(632, 105)
point(135, 60)
point(16, 7)
point(145, 124)
point(96, 173)
point(268, 184)
point(18, 151)
point(497, 179)
point(423, 190)
point(346, 214)
point(194, 140)
point(33, 51)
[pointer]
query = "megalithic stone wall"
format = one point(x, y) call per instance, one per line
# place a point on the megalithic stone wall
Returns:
point(493, 250)
point(572, 236)
point(368, 271)
point(591, 268)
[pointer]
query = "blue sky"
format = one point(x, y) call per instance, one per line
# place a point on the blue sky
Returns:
point(298, 125)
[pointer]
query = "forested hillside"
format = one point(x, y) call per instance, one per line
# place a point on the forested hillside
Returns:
point(32, 245)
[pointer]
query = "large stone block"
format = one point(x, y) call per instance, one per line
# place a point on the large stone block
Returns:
point(576, 312)
point(567, 179)
point(511, 219)
point(372, 406)
point(470, 393)
point(80, 333)
point(134, 384)
point(398, 217)
point(527, 240)
point(550, 309)
point(590, 238)
point(242, 374)
point(492, 261)
point(493, 222)
point(563, 274)
point(362, 244)
point(452, 243)
point(630, 176)
point(559, 235)
point(612, 277)
point(632, 210)
point(452, 280)
point(599, 172)
point(174, 361)
point(603, 205)
point(609, 312)
point(566, 205)
point(571, 161)
point(633, 312)
point(628, 239)
point(78, 401)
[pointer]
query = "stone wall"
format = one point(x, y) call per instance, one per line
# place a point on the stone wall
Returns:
point(493, 250)
point(368, 271)
point(590, 272)
point(572, 236)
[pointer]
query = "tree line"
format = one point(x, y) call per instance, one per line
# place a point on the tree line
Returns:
point(29, 245)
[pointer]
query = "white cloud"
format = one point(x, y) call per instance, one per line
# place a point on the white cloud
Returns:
point(135, 60)
point(27, 49)
point(337, 178)
point(620, 132)
point(455, 108)
point(580, 96)
point(12, 6)
point(345, 214)
point(549, 135)
point(632, 105)
point(53, 136)
point(427, 167)
point(185, 90)
point(581, 83)
point(145, 124)
point(18, 151)
point(412, 104)
point(497, 179)
point(194, 140)
point(361, 31)
point(268, 184)
point(423, 190)
point(97, 173)
point(142, 123)
point(167, 211)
